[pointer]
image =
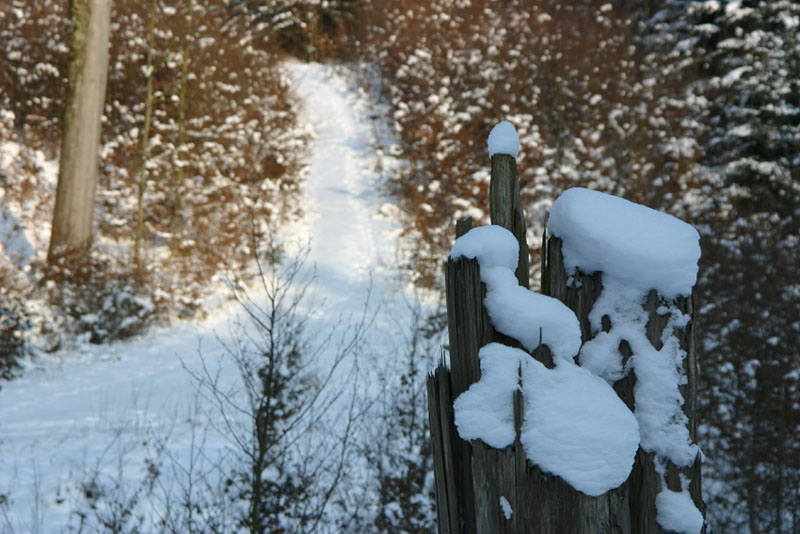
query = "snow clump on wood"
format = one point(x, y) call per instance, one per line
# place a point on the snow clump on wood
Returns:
point(644, 248)
point(506, 507)
point(503, 139)
point(677, 513)
point(486, 410)
point(494, 246)
point(574, 424)
point(578, 428)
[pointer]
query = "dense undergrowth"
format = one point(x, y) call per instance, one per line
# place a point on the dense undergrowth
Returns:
point(186, 164)
point(592, 108)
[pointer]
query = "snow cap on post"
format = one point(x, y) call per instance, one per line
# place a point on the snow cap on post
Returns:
point(644, 248)
point(503, 139)
point(493, 246)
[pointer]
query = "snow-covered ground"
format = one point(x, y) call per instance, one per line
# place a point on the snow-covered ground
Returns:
point(104, 407)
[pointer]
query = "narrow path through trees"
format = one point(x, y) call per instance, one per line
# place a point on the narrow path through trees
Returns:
point(90, 407)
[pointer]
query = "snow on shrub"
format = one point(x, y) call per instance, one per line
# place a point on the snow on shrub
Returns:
point(13, 323)
point(96, 298)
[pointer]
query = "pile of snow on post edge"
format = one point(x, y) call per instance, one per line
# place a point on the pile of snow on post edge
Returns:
point(637, 245)
point(676, 512)
point(575, 426)
point(503, 139)
point(638, 250)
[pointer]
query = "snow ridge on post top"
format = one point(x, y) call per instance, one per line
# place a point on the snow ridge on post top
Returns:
point(492, 245)
point(514, 310)
point(643, 247)
point(503, 139)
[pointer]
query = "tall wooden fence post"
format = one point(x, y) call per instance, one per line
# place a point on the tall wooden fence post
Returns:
point(644, 483)
point(471, 477)
point(505, 208)
point(469, 329)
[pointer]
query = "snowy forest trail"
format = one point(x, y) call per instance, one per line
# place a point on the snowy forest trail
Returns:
point(342, 193)
point(352, 244)
point(91, 409)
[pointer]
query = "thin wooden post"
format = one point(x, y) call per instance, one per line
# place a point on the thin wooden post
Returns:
point(443, 434)
point(505, 207)
point(469, 328)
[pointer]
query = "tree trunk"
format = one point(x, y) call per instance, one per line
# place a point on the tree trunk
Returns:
point(145, 139)
point(77, 179)
point(177, 177)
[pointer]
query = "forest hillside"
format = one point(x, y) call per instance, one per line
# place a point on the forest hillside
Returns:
point(217, 160)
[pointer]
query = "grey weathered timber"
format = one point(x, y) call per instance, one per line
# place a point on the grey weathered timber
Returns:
point(463, 226)
point(495, 477)
point(467, 321)
point(468, 324)
point(443, 434)
point(580, 295)
point(471, 478)
point(73, 216)
point(505, 207)
point(469, 330)
point(541, 503)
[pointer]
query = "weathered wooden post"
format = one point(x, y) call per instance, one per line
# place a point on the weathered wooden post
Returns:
point(580, 295)
point(667, 320)
point(473, 479)
point(505, 207)
point(469, 329)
